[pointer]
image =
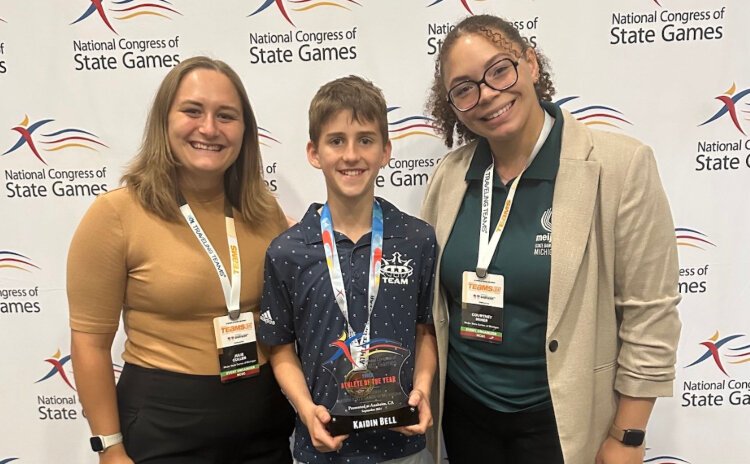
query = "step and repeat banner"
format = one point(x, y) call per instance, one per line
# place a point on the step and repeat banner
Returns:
point(77, 78)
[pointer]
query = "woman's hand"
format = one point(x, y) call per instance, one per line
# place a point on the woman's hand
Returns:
point(614, 452)
point(115, 455)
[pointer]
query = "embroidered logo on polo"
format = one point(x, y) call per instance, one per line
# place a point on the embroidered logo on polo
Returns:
point(397, 269)
point(266, 318)
point(543, 242)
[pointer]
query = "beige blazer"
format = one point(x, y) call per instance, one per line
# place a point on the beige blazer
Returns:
point(612, 319)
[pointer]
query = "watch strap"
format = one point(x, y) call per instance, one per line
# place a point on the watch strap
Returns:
point(99, 443)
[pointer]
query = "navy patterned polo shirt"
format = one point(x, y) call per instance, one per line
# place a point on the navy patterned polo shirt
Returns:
point(298, 306)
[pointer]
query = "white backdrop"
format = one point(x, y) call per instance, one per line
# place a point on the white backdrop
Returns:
point(77, 77)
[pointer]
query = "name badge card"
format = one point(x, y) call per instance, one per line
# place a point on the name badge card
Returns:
point(238, 350)
point(482, 307)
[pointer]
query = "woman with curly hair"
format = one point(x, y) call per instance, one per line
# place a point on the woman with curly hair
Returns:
point(556, 294)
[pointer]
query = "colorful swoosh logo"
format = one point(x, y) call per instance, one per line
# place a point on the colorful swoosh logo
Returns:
point(409, 126)
point(125, 10)
point(13, 260)
point(52, 141)
point(302, 6)
point(265, 138)
point(58, 363)
point(595, 115)
point(730, 99)
point(378, 345)
point(692, 238)
point(714, 346)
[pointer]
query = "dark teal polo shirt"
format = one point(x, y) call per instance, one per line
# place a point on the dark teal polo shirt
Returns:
point(509, 376)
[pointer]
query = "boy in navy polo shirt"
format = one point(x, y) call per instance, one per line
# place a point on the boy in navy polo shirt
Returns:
point(347, 294)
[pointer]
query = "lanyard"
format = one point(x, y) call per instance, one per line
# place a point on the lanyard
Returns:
point(337, 278)
point(487, 244)
point(231, 288)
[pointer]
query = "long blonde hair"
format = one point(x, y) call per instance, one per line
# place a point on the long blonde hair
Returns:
point(152, 174)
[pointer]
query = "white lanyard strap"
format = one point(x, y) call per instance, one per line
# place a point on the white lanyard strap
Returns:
point(231, 287)
point(487, 244)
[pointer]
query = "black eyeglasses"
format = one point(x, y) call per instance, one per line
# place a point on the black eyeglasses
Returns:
point(499, 76)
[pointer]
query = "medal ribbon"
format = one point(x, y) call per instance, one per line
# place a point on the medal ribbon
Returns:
point(337, 278)
point(231, 287)
point(487, 244)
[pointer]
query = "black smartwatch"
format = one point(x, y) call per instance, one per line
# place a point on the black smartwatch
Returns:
point(99, 443)
point(628, 437)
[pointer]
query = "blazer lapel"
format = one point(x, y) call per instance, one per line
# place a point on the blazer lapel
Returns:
point(573, 206)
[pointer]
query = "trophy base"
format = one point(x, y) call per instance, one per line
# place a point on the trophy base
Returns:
point(342, 425)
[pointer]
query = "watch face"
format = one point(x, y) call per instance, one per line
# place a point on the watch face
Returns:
point(633, 437)
point(96, 444)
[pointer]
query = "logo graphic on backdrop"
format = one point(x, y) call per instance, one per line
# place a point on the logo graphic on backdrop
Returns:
point(407, 127)
point(47, 142)
point(7, 460)
point(302, 6)
point(594, 115)
point(57, 370)
point(13, 260)
point(713, 377)
point(62, 403)
point(18, 300)
point(715, 350)
point(117, 53)
point(733, 108)
point(54, 141)
point(692, 238)
point(296, 45)
point(694, 276)
point(126, 10)
point(436, 32)
point(726, 155)
point(267, 140)
point(633, 28)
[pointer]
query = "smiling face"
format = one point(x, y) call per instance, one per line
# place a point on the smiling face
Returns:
point(205, 126)
point(499, 115)
point(350, 153)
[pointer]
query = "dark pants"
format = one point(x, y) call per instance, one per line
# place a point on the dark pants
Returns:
point(475, 433)
point(172, 418)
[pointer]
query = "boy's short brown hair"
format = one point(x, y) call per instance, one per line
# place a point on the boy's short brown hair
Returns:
point(353, 93)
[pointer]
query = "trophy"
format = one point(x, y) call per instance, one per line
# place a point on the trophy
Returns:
point(370, 392)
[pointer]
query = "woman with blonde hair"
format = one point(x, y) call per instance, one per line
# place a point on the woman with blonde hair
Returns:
point(178, 253)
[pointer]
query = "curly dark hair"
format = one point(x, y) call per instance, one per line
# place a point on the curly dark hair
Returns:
point(503, 34)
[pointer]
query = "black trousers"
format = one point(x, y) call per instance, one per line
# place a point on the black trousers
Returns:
point(476, 434)
point(173, 418)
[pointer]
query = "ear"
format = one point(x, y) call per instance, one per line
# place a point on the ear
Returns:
point(312, 155)
point(530, 57)
point(386, 154)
